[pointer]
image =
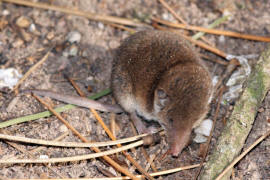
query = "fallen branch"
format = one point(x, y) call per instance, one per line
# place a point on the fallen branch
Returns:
point(243, 154)
point(237, 128)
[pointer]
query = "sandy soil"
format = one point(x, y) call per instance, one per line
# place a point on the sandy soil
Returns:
point(89, 60)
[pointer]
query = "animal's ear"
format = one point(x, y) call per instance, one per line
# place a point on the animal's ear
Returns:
point(161, 94)
point(162, 98)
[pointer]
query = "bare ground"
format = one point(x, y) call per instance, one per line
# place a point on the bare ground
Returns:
point(91, 67)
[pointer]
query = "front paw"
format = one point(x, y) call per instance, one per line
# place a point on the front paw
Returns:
point(150, 130)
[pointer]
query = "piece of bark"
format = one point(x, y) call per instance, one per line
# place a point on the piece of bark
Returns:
point(232, 138)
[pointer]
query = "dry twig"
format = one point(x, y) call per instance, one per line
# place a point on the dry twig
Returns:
point(107, 158)
point(69, 144)
point(160, 173)
point(213, 31)
point(211, 133)
point(73, 158)
point(238, 126)
point(110, 134)
point(33, 156)
point(172, 11)
point(44, 58)
point(243, 155)
point(91, 16)
point(196, 42)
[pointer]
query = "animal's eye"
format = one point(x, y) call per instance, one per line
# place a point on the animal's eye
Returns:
point(170, 121)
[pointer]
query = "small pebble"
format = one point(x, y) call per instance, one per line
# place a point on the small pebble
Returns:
point(261, 109)
point(74, 37)
point(32, 27)
point(167, 17)
point(65, 54)
point(73, 50)
point(43, 156)
point(89, 78)
point(17, 43)
point(27, 36)
point(221, 39)
point(84, 53)
point(100, 25)
point(205, 127)
point(200, 138)
point(5, 12)
point(215, 80)
point(50, 35)
point(23, 22)
point(63, 128)
point(268, 121)
point(45, 41)
point(9, 77)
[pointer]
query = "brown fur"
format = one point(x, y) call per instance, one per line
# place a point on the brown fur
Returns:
point(160, 77)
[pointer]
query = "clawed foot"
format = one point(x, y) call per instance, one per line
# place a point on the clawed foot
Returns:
point(141, 128)
point(149, 130)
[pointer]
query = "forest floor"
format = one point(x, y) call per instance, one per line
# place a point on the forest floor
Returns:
point(27, 34)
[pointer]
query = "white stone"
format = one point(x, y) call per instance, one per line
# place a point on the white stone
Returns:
point(43, 156)
point(32, 27)
point(63, 128)
point(9, 77)
point(5, 12)
point(100, 25)
point(74, 37)
point(221, 39)
point(205, 127)
point(200, 138)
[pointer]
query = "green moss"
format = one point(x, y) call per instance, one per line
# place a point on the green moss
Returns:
point(239, 107)
point(256, 85)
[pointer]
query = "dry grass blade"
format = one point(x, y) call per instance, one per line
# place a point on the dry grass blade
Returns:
point(110, 134)
point(122, 27)
point(160, 173)
point(180, 19)
point(213, 31)
point(59, 138)
point(91, 16)
point(69, 144)
point(106, 158)
point(151, 161)
point(44, 58)
point(134, 131)
point(243, 155)
point(24, 151)
point(233, 63)
point(205, 46)
point(196, 42)
point(74, 158)
point(172, 11)
point(211, 133)
point(225, 63)
point(104, 171)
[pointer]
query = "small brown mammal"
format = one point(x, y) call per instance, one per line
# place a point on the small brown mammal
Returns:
point(157, 76)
